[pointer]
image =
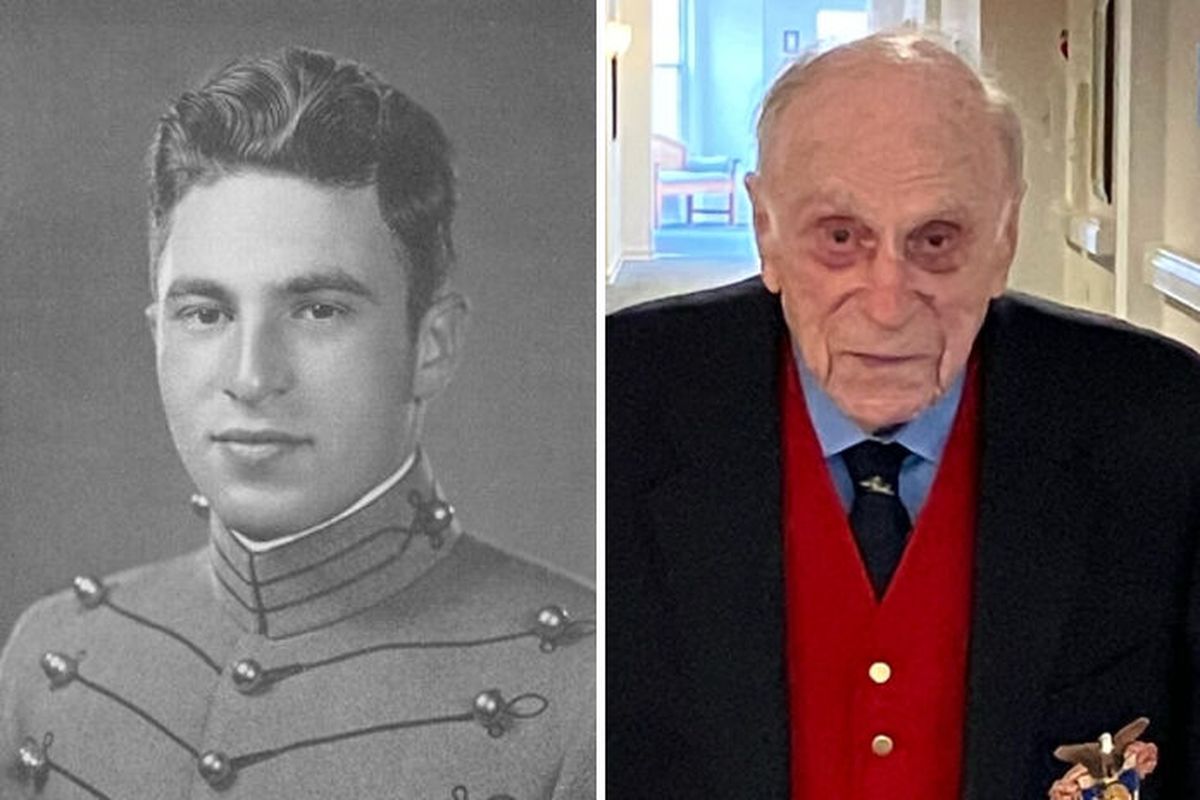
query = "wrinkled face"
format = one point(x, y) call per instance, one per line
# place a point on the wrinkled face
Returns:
point(886, 218)
point(283, 349)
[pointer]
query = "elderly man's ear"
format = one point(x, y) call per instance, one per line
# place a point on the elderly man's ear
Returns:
point(763, 230)
point(439, 344)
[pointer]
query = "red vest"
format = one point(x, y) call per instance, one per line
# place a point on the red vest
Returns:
point(877, 689)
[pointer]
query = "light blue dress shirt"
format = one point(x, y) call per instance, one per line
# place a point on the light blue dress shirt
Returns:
point(925, 436)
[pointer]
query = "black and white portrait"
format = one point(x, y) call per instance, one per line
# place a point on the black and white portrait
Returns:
point(297, 391)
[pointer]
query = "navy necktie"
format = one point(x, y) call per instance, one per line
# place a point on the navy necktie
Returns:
point(878, 518)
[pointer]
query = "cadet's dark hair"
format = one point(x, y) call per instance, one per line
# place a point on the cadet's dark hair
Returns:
point(331, 121)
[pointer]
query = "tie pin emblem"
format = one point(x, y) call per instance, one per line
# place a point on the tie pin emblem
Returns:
point(877, 485)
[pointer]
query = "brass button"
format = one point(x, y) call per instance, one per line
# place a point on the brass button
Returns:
point(32, 764)
point(61, 669)
point(216, 768)
point(247, 675)
point(89, 591)
point(880, 672)
point(200, 505)
point(882, 745)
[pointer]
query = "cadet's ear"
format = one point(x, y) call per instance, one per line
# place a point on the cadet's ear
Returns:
point(439, 344)
point(151, 313)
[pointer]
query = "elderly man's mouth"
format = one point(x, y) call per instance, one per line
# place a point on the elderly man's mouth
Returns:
point(887, 359)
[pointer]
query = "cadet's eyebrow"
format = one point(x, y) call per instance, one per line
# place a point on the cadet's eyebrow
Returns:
point(334, 280)
point(187, 287)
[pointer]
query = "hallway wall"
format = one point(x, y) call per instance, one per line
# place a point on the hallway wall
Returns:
point(631, 156)
point(1019, 48)
point(1181, 212)
point(1156, 150)
point(1157, 165)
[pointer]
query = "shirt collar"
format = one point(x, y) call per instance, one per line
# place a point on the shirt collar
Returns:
point(364, 501)
point(925, 434)
point(344, 566)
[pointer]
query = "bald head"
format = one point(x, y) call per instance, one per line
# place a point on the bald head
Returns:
point(925, 71)
point(886, 213)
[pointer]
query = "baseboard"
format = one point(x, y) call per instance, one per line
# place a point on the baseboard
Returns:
point(614, 269)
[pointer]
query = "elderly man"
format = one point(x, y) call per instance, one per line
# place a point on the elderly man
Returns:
point(876, 528)
point(340, 635)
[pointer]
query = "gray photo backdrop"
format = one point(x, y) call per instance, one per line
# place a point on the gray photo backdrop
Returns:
point(89, 479)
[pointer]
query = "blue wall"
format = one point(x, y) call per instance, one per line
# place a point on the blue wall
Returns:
point(727, 80)
point(797, 15)
point(737, 51)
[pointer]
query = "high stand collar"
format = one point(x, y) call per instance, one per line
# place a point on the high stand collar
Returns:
point(341, 569)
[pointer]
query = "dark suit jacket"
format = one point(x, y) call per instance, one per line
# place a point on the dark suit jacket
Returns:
point(1086, 606)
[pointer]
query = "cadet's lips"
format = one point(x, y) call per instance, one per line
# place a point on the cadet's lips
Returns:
point(257, 446)
point(261, 436)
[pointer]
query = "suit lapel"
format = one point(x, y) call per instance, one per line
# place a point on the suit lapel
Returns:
point(717, 520)
point(1027, 562)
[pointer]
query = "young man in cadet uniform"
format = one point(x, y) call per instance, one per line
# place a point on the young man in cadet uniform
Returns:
point(339, 635)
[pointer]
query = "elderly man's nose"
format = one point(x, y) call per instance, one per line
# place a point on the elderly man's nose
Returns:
point(258, 367)
point(888, 300)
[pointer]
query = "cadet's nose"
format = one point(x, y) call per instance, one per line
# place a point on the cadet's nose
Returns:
point(259, 366)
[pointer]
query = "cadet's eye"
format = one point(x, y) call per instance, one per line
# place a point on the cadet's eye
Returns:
point(200, 317)
point(321, 312)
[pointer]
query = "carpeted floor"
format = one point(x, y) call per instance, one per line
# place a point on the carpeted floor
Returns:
point(688, 258)
point(639, 281)
point(705, 240)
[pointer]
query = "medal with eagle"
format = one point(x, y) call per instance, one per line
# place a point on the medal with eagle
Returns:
point(1110, 768)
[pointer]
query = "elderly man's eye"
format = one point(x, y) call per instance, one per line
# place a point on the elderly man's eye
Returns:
point(838, 235)
point(932, 240)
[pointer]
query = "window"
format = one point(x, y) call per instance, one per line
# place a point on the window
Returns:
point(837, 27)
point(667, 52)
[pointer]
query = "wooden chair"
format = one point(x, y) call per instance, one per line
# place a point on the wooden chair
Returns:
point(677, 175)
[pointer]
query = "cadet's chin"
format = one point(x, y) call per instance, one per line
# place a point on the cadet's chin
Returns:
point(264, 514)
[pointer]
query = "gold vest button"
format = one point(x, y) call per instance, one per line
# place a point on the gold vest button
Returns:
point(880, 672)
point(882, 745)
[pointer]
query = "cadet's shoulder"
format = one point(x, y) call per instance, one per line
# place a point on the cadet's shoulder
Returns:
point(484, 588)
point(503, 577)
point(174, 581)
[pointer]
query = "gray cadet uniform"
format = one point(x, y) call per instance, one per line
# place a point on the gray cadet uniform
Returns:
point(389, 656)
